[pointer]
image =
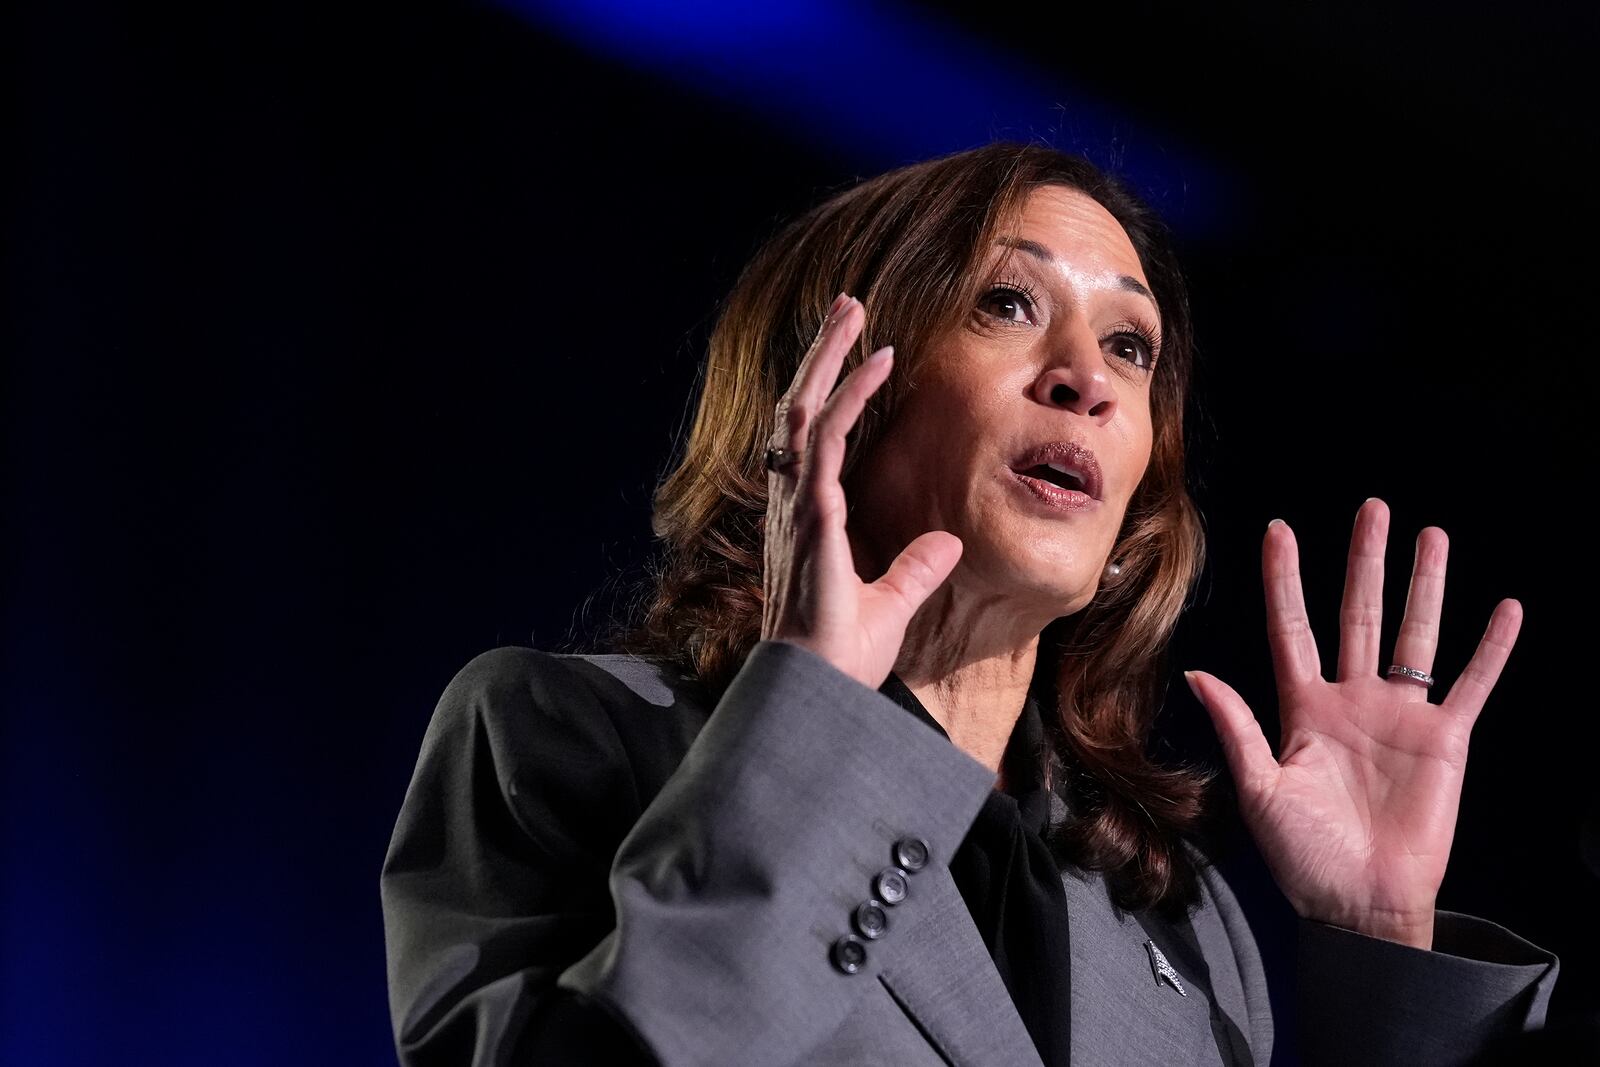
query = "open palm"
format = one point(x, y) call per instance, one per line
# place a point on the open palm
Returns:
point(1356, 815)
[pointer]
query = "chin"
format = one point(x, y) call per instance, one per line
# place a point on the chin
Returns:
point(1060, 584)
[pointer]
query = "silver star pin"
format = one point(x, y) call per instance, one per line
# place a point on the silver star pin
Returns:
point(1163, 969)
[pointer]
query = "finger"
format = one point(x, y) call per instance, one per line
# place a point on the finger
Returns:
point(797, 406)
point(1294, 651)
point(918, 570)
point(815, 378)
point(1248, 753)
point(1467, 696)
point(828, 319)
point(1419, 628)
point(1361, 611)
point(819, 470)
point(833, 345)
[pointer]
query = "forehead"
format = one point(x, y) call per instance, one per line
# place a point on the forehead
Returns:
point(1083, 236)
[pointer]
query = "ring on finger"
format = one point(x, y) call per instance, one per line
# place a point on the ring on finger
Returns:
point(781, 459)
point(1411, 672)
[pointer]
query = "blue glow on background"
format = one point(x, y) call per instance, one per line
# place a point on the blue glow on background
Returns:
point(181, 922)
point(882, 85)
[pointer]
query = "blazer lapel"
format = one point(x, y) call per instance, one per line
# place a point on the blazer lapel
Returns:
point(1123, 1011)
point(1182, 951)
point(944, 978)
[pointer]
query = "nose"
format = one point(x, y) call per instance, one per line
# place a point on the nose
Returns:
point(1078, 380)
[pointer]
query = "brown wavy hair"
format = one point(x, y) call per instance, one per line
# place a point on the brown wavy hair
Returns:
point(911, 245)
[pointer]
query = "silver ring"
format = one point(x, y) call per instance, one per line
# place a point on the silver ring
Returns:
point(1411, 672)
point(781, 459)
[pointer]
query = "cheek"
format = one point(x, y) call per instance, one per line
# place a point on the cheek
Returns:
point(949, 415)
point(904, 464)
point(1141, 444)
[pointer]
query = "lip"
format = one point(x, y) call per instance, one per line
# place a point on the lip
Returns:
point(1074, 457)
point(1053, 496)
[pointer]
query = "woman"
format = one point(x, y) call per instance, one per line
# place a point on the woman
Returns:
point(872, 787)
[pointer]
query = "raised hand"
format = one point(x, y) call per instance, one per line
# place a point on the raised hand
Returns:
point(814, 597)
point(1356, 815)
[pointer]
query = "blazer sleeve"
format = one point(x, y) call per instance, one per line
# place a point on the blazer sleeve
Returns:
point(742, 874)
point(722, 902)
point(1366, 1000)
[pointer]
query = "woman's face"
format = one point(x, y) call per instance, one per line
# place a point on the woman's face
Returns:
point(1050, 371)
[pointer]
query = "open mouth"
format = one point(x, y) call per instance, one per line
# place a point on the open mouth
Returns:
point(1061, 476)
point(1056, 489)
point(1060, 470)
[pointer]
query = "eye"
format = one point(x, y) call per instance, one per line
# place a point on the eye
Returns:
point(1009, 298)
point(1137, 344)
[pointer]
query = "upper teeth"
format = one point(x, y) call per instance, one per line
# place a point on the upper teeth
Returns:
point(1064, 470)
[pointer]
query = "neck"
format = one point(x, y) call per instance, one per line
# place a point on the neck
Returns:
point(970, 661)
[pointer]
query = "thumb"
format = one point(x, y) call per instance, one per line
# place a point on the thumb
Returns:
point(920, 568)
point(1245, 746)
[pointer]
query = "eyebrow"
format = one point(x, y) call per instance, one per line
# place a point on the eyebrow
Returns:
point(1040, 252)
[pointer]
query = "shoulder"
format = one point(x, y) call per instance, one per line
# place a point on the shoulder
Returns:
point(536, 710)
point(1218, 919)
point(512, 679)
point(1216, 896)
point(1229, 944)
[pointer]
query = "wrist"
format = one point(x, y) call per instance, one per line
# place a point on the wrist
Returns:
point(1417, 933)
point(1414, 929)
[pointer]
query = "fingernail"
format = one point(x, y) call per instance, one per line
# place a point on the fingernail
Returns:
point(838, 301)
point(1274, 522)
point(1188, 676)
point(881, 355)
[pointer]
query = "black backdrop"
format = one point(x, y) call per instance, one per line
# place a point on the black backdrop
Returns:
point(342, 344)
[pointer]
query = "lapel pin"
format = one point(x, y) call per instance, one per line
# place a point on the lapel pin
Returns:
point(1162, 969)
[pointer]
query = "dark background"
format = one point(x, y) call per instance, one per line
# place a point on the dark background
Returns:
point(344, 343)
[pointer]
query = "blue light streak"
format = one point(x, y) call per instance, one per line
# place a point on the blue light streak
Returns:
point(884, 85)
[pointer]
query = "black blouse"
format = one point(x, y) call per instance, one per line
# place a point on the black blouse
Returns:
point(1012, 883)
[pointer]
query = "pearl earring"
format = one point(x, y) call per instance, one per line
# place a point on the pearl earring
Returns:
point(1113, 569)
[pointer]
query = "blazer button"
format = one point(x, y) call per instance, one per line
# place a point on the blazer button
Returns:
point(891, 885)
point(911, 853)
point(872, 922)
point(849, 954)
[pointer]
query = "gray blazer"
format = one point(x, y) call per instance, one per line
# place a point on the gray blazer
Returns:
point(590, 830)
